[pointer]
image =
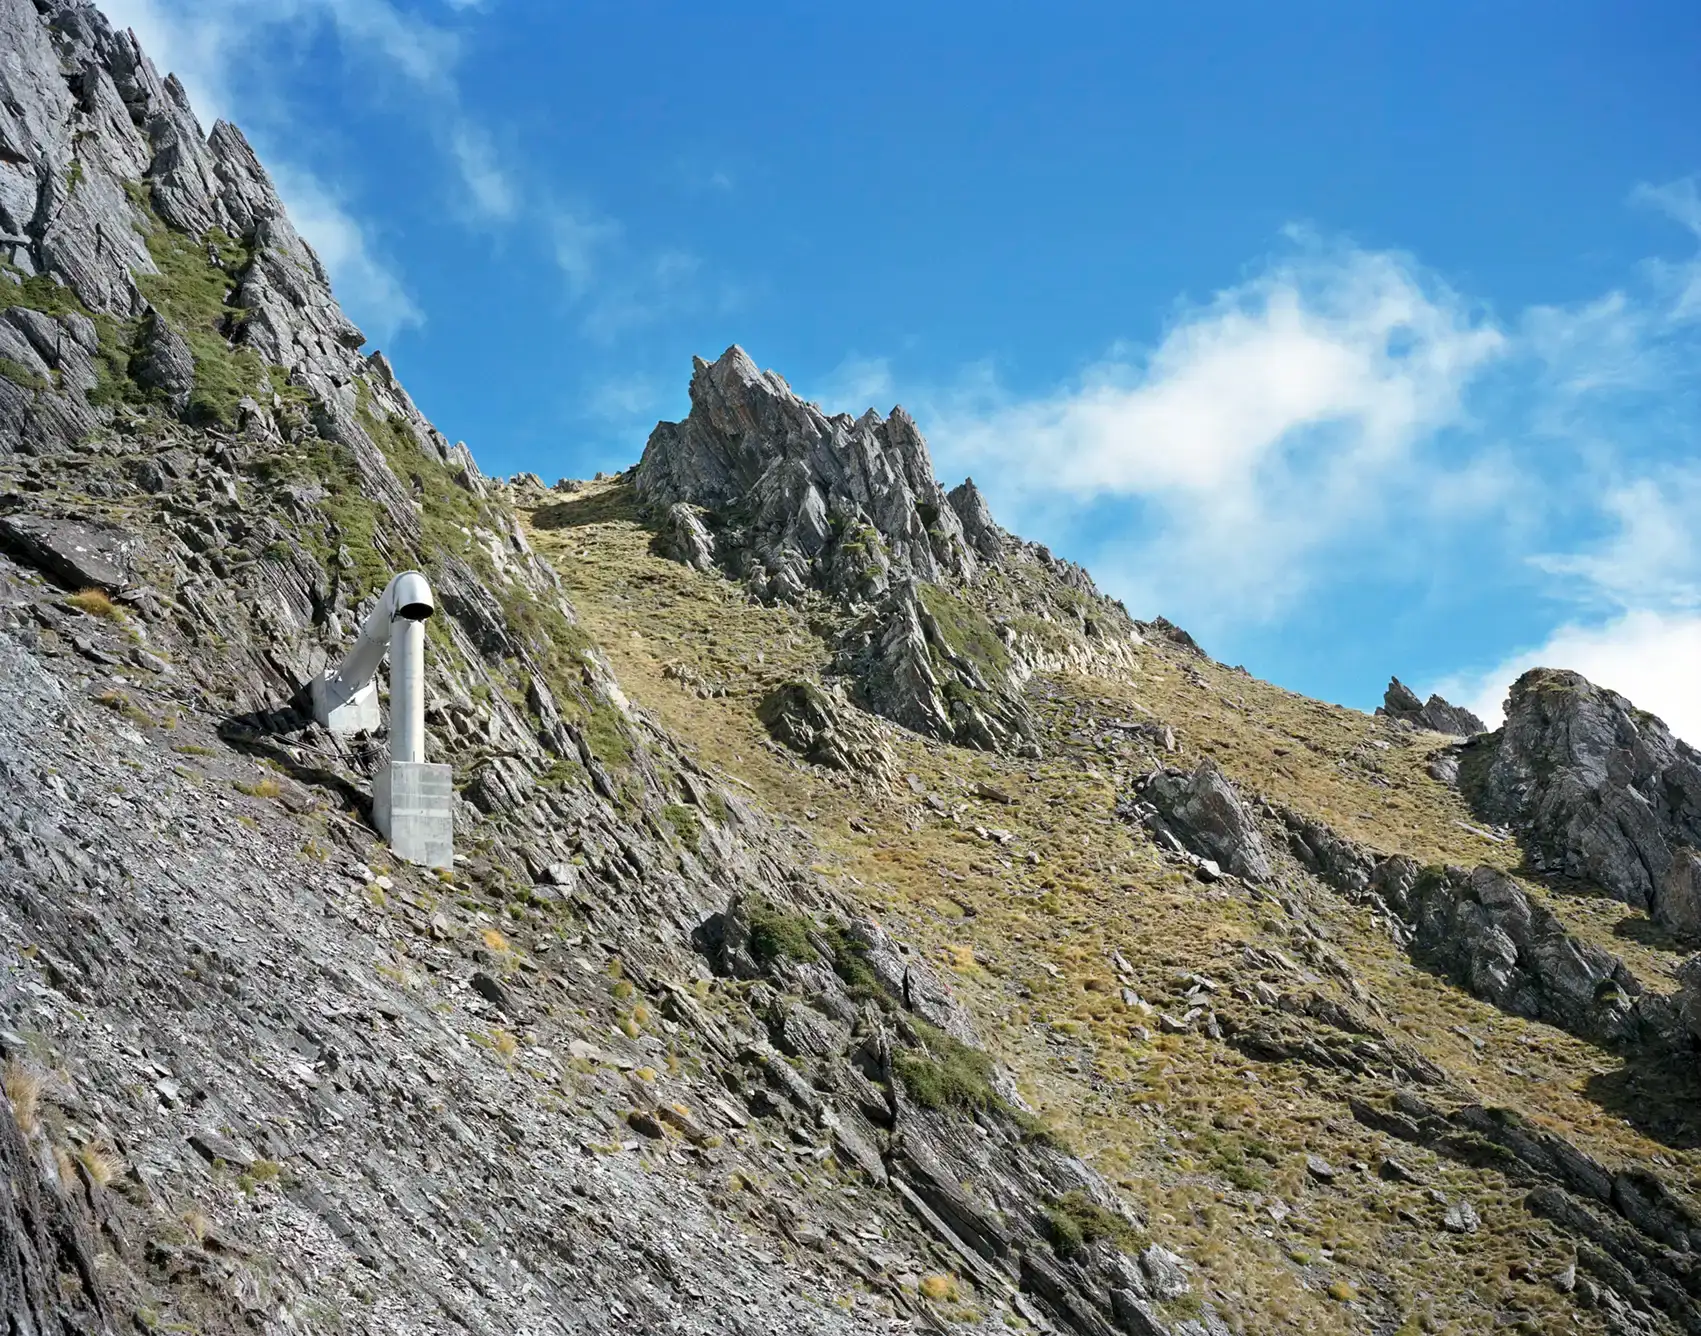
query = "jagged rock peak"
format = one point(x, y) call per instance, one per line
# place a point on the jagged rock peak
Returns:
point(979, 528)
point(1599, 791)
point(803, 500)
point(1401, 704)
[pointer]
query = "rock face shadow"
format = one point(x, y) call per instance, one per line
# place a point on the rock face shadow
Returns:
point(1658, 1093)
point(1641, 928)
point(600, 507)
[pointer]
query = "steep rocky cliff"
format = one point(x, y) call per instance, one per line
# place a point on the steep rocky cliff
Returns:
point(858, 922)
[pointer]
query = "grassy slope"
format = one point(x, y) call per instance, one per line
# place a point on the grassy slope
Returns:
point(1203, 1140)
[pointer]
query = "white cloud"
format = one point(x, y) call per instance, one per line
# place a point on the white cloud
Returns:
point(1653, 558)
point(366, 287)
point(492, 192)
point(578, 240)
point(625, 399)
point(1346, 355)
point(857, 384)
point(208, 43)
point(1649, 657)
point(1268, 424)
point(637, 290)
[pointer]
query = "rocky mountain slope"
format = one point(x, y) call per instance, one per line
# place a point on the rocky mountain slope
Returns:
point(858, 922)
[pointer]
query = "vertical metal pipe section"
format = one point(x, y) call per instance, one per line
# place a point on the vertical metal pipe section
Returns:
point(407, 689)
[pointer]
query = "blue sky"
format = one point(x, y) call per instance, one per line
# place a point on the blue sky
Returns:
point(1356, 339)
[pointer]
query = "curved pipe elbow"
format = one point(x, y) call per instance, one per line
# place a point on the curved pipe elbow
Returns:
point(409, 596)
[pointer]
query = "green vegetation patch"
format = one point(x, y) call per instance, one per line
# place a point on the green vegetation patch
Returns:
point(194, 290)
point(1075, 1221)
point(775, 934)
point(948, 1074)
point(966, 632)
point(21, 376)
point(686, 827)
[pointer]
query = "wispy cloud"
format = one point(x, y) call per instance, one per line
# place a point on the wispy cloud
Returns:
point(488, 185)
point(857, 384)
point(639, 290)
point(579, 240)
point(212, 44)
point(366, 286)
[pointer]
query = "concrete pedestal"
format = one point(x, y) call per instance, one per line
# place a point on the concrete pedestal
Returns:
point(359, 713)
point(413, 806)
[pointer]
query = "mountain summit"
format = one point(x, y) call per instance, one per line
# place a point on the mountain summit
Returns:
point(858, 922)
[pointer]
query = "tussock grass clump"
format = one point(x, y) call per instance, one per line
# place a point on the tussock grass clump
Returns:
point(99, 1164)
point(97, 603)
point(21, 375)
point(119, 703)
point(948, 1074)
point(686, 827)
point(266, 787)
point(23, 1093)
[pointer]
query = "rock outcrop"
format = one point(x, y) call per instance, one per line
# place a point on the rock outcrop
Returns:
point(1200, 812)
point(933, 663)
point(796, 504)
point(1494, 939)
point(804, 501)
point(825, 731)
point(1490, 936)
point(1401, 704)
point(1598, 791)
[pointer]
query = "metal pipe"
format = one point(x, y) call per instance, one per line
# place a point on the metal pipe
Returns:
point(407, 690)
point(413, 801)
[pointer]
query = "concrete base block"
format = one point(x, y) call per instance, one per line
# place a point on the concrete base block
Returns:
point(358, 714)
point(413, 806)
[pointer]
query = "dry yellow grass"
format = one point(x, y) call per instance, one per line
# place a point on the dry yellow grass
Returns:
point(23, 1093)
point(96, 603)
point(1030, 945)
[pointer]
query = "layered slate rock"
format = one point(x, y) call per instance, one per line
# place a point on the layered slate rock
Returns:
point(820, 727)
point(932, 662)
point(1598, 791)
point(1490, 936)
point(1495, 940)
point(1401, 704)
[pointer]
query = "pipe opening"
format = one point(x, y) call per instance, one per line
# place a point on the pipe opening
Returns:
point(414, 612)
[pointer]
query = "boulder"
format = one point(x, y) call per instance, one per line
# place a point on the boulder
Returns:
point(1508, 949)
point(79, 554)
point(979, 529)
point(824, 729)
point(163, 362)
point(683, 537)
point(929, 661)
point(1204, 812)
